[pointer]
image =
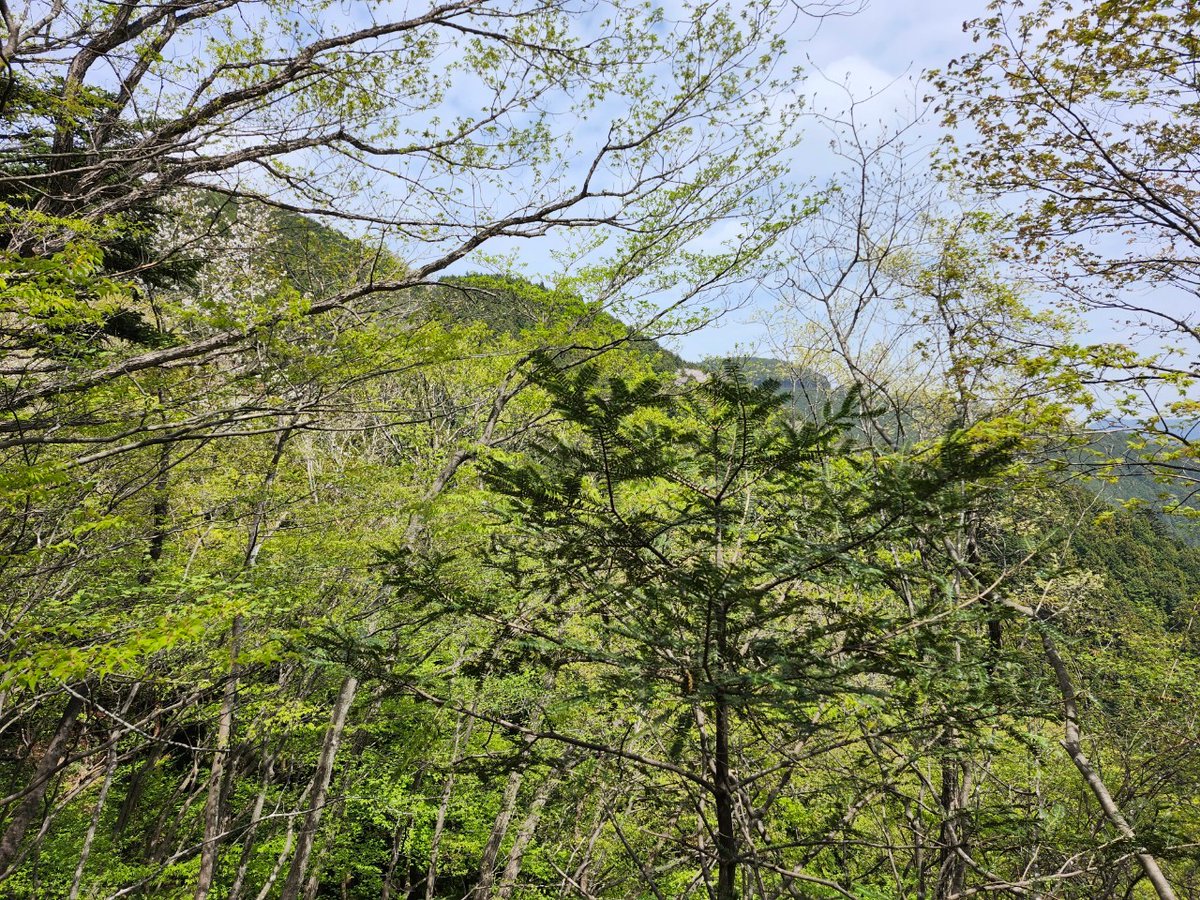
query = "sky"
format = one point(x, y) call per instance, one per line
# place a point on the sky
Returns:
point(877, 53)
point(889, 39)
point(882, 50)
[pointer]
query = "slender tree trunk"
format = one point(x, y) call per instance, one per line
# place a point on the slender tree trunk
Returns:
point(314, 881)
point(320, 790)
point(133, 793)
point(955, 765)
point(723, 801)
point(385, 893)
point(164, 827)
point(491, 850)
point(289, 837)
point(1091, 777)
point(86, 850)
point(214, 803)
point(724, 791)
point(582, 875)
point(516, 855)
point(462, 735)
point(239, 879)
point(159, 510)
point(47, 766)
point(918, 830)
point(955, 789)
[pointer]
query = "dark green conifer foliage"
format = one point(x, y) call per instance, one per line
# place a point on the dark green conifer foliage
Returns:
point(730, 568)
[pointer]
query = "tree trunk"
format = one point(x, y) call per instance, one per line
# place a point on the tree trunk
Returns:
point(582, 874)
point(491, 850)
point(84, 852)
point(239, 879)
point(462, 735)
point(320, 790)
point(46, 768)
point(1071, 743)
point(160, 508)
point(313, 884)
point(283, 854)
point(164, 824)
point(723, 801)
point(137, 784)
point(512, 869)
point(955, 789)
point(214, 803)
point(385, 892)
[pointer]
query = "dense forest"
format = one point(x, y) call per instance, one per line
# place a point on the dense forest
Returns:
point(365, 534)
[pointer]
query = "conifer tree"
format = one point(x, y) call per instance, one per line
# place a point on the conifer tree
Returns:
point(725, 576)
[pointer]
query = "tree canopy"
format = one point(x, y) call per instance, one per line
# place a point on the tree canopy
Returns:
point(364, 533)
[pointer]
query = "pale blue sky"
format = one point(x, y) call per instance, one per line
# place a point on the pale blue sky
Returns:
point(879, 52)
point(884, 47)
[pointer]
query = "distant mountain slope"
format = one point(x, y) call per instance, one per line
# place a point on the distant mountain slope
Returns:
point(1124, 477)
point(316, 258)
point(1144, 560)
point(512, 305)
point(808, 390)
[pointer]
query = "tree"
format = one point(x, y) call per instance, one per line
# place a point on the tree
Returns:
point(344, 119)
point(1086, 116)
point(285, 114)
point(175, 346)
point(720, 576)
point(895, 287)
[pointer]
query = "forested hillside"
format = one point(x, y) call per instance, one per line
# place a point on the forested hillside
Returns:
point(364, 533)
